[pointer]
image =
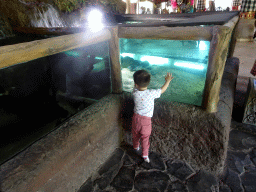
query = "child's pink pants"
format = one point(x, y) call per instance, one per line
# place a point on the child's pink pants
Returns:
point(141, 130)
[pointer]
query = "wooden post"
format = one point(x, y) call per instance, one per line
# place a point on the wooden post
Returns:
point(233, 40)
point(24, 52)
point(128, 6)
point(217, 59)
point(114, 52)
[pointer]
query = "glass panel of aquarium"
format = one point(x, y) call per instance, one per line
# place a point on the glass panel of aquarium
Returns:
point(41, 94)
point(187, 60)
point(83, 72)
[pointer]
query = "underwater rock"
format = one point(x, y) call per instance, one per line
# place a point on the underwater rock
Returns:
point(126, 62)
point(186, 87)
point(134, 65)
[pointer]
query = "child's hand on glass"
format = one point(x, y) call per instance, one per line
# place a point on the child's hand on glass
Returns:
point(169, 77)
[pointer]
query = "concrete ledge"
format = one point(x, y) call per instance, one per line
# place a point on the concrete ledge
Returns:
point(64, 159)
point(227, 91)
point(245, 30)
point(227, 96)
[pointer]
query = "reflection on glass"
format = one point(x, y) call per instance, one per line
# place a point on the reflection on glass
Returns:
point(186, 60)
point(84, 72)
point(49, 90)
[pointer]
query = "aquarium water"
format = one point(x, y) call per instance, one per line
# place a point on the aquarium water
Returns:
point(187, 60)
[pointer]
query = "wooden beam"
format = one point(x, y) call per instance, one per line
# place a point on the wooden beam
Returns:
point(217, 59)
point(24, 52)
point(171, 33)
point(232, 23)
point(114, 52)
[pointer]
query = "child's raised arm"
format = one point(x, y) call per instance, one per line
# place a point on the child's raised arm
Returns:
point(168, 79)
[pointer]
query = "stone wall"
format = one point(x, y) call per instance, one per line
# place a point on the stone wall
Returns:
point(66, 157)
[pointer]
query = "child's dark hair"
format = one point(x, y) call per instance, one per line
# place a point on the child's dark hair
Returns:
point(141, 78)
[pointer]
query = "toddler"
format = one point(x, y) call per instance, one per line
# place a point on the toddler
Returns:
point(143, 110)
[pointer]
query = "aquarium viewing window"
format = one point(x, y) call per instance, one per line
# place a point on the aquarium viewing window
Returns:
point(51, 89)
point(187, 60)
point(83, 72)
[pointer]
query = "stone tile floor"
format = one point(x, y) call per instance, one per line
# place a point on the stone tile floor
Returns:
point(126, 171)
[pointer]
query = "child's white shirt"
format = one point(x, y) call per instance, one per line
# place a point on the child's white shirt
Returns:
point(144, 101)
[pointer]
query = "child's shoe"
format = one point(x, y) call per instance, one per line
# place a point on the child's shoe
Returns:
point(146, 159)
point(137, 150)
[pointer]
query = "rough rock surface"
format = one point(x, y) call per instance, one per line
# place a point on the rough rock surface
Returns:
point(130, 173)
point(183, 132)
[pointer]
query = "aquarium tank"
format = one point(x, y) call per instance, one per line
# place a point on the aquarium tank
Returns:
point(187, 60)
point(83, 72)
point(41, 94)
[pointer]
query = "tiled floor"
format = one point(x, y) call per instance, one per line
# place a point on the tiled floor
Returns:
point(246, 52)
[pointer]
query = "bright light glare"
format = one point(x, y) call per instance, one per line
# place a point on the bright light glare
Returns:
point(155, 60)
point(95, 18)
point(147, 4)
point(131, 1)
point(128, 55)
point(223, 4)
point(202, 46)
point(189, 65)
